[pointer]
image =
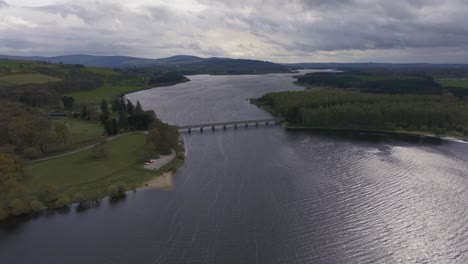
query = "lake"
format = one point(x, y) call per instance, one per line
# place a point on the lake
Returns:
point(267, 195)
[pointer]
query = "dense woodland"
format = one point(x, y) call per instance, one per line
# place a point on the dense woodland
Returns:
point(355, 110)
point(388, 82)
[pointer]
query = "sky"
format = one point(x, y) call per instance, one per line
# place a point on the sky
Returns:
point(285, 31)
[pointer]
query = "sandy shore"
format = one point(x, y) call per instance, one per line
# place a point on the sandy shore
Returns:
point(160, 182)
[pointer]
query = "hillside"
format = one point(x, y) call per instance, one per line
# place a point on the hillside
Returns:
point(38, 83)
point(185, 64)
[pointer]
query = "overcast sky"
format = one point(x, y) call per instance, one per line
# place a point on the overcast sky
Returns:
point(274, 30)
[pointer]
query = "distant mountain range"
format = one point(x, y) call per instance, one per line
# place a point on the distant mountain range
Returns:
point(106, 61)
point(371, 65)
point(188, 64)
point(182, 63)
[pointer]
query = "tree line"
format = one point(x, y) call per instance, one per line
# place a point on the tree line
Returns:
point(387, 84)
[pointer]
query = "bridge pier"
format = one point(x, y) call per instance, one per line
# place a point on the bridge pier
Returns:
point(224, 127)
point(201, 129)
point(213, 128)
point(266, 123)
point(246, 125)
point(235, 126)
point(190, 131)
point(256, 124)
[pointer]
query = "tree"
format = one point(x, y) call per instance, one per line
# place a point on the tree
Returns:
point(138, 109)
point(130, 108)
point(104, 107)
point(67, 101)
point(61, 133)
point(10, 174)
point(111, 127)
point(123, 121)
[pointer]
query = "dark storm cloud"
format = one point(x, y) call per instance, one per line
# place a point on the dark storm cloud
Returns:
point(272, 30)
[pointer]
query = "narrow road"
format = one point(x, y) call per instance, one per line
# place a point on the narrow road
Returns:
point(87, 147)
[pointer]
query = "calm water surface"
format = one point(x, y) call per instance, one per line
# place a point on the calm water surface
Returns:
point(266, 195)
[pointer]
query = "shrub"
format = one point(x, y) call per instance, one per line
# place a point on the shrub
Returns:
point(62, 201)
point(79, 198)
point(18, 207)
point(117, 190)
point(459, 128)
point(440, 131)
point(36, 205)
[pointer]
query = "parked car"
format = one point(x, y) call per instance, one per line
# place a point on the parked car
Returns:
point(147, 163)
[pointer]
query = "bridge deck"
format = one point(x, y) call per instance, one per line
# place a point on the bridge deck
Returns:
point(231, 123)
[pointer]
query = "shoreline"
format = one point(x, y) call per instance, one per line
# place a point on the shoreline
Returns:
point(386, 132)
point(149, 87)
point(164, 182)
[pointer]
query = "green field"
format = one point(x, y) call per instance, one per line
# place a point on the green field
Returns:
point(104, 92)
point(16, 65)
point(28, 78)
point(386, 77)
point(82, 173)
point(101, 71)
point(81, 131)
point(454, 82)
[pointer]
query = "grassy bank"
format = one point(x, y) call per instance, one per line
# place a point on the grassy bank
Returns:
point(81, 175)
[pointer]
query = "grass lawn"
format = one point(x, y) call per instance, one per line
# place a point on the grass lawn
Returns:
point(28, 78)
point(81, 131)
point(84, 174)
point(105, 92)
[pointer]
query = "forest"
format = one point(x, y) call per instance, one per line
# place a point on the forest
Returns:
point(391, 81)
point(438, 114)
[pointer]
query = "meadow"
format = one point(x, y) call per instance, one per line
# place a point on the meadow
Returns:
point(82, 173)
point(28, 78)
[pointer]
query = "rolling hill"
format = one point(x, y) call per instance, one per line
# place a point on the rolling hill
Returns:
point(185, 64)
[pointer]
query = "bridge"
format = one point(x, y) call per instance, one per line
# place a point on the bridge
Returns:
point(235, 124)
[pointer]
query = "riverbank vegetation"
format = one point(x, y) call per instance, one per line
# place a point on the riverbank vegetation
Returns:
point(43, 118)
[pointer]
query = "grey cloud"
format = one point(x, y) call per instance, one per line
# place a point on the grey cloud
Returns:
point(15, 43)
point(271, 30)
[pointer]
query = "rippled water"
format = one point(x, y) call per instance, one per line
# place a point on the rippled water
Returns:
point(266, 195)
